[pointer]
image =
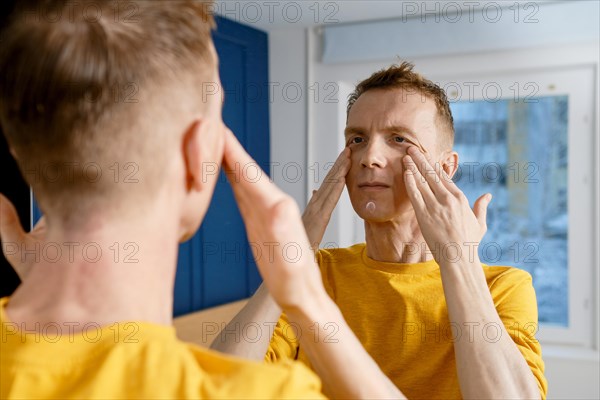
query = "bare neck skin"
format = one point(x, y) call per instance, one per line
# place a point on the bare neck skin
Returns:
point(398, 241)
point(132, 279)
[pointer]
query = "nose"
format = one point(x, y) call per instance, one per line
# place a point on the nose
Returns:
point(373, 155)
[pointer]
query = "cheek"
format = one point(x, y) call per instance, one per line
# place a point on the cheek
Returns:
point(400, 186)
point(398, 167)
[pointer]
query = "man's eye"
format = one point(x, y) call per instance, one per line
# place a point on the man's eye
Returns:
point(355, 140)
point(399, 139)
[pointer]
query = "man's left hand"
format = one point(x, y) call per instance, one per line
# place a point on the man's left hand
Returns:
point(441, 208)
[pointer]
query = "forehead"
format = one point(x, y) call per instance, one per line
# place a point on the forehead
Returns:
point(378, 109)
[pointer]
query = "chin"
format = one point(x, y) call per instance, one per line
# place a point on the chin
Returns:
point(379, 215)
point(375, 218)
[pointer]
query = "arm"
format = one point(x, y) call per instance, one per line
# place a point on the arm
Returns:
point(490, 365)
point(270, 216)
point(486, 368)
point(261, 308)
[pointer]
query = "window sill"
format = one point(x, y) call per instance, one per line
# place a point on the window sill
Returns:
point(570, 353)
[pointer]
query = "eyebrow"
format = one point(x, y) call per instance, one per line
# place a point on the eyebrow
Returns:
point(350, 130)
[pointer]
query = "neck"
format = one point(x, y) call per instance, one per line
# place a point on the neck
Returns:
point(399, 240)
point(120, 269)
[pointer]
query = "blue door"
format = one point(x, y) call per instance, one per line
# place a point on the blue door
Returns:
point(216, 265)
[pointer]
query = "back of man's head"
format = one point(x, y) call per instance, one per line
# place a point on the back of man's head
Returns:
point(90, 90)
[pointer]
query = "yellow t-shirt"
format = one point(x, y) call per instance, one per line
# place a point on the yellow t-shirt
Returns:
point(399, 313)
point(134, 360)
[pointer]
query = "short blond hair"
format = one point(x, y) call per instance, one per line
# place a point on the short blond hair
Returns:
point(73, 76)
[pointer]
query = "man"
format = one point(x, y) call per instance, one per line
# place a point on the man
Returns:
point(438, 322)
point(88, 324)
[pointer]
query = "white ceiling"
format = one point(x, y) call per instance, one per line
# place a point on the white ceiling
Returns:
point(286, 14)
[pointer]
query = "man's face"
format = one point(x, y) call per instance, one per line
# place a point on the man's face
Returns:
point(381, 125)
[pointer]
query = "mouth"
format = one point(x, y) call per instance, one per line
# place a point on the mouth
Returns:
point(373, 186)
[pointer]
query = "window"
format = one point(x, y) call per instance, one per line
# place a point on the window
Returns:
point(516, 150)
point(528, 138)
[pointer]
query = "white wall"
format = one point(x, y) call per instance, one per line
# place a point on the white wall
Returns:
point(571, 376)
point(287, 64)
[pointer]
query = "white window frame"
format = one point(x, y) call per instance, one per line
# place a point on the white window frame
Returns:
point(577, 83)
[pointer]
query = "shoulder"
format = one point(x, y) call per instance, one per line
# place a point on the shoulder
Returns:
point(502, 276)
point(512, 290)
point(340, 254)
point(285, 378)
point(337, 262)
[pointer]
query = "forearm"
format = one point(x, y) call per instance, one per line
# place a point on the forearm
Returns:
point(345, 367)
point(260, 310)
point(489, 363)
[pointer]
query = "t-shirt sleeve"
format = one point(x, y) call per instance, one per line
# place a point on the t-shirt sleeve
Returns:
point(220, 376)
point(284, 343)
point(515, 301)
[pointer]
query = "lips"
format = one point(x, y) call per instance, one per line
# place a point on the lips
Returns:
point(373, 185)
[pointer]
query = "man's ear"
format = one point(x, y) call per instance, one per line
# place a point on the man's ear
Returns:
point(192, 154)
point(450, 162)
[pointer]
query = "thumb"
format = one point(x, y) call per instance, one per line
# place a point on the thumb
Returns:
point(10, 225)
point(480, 209)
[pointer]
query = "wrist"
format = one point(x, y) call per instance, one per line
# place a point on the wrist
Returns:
point(457, 254)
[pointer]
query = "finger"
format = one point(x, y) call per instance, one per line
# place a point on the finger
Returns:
point(419, 182)
point(480, 209)
point(444, 177)
point(248, 191)
point(10, 225)
point(433, 179)
point(234, 152)
point(414, 194)
point(330, 191)
point(448, 182)
point(334, 182)
point(340, 168)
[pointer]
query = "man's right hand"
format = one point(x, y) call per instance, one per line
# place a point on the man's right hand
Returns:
point(275, 230)
point(13, 236)
point(272, 220)
point(261, 307)
point(320, 207)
